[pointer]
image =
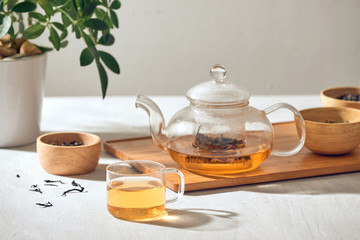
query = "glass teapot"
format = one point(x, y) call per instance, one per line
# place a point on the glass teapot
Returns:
point(218, 133)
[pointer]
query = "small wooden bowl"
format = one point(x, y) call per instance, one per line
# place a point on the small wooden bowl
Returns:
point(332, 130)
point(329, 97)
point(68, 160)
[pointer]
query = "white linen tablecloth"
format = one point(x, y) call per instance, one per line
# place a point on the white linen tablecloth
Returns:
point(326, 207)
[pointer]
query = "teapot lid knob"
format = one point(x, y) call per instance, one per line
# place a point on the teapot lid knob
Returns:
point(218, 73)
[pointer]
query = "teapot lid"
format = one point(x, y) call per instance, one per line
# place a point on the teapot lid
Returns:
point(218, 91)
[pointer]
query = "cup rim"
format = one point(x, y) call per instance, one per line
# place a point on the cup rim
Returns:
point(161, 167)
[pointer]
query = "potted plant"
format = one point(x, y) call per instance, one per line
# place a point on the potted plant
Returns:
point(23, 21)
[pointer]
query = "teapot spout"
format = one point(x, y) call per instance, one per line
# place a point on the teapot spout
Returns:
point(156, 120)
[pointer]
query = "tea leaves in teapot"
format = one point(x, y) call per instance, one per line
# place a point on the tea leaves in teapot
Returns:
point(208, 143)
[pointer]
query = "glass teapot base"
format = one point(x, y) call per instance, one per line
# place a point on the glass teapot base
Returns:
point(219, 165)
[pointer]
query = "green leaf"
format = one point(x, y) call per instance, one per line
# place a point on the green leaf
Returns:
point(72, 14)
point(114, 18)
point(44, 49)
point(79, 5)
point(100, 13)
point(24, 7)
point(77, 32)
point(57, 3)
point(45, 4)
point(86, 57)
point(65, 20)
point(107, 20)
point(107, 40)
point(54, 38)
point(89, 9)
point(95, 33)
point(11, 3)
point(64, 44)
point(59, 26)
point(5, 26)
point(87, 39)
point(37, 16)
point(109, 61)
point(94, 52)
point(105, 32)
point(12, 32)
point(63, 35)
point(115, 4)
point(34, 31)
point(96, 24)
point(103, 78)
point(105, 3)
point(74, 6)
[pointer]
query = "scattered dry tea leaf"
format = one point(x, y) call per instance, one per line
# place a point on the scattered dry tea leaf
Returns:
point(29, 49)
point(45, 205)
point(35, 188)
point(6, 52)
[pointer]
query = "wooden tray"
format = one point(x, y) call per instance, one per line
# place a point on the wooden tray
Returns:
point(303, 164)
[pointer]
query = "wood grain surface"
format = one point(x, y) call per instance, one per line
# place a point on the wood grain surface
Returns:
point(303, 164)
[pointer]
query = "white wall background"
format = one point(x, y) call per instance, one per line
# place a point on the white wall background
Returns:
point(267, 46)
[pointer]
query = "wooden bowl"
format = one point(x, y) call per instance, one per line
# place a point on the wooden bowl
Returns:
point(68, 160)
point(332, 130)
point(329, 97)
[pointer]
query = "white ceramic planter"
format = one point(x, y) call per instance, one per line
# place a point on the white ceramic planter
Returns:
point(21, 94)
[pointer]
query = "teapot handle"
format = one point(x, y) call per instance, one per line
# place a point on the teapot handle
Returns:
point(300, 126)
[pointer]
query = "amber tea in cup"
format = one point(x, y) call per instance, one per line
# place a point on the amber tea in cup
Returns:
point(136, 189)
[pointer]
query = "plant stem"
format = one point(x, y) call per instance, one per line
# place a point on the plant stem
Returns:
point(67, 15)
point(75, 24)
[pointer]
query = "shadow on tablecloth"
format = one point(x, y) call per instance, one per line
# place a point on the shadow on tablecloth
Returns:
point(198, 219)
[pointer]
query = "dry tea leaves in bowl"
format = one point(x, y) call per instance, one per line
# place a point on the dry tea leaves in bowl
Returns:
point(69, 144)
point(350, 97)
point(343, 121)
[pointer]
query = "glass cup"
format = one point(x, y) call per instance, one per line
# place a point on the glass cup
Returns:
point(136, 189)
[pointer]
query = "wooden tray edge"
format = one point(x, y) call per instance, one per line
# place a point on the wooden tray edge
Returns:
point(275, 177)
